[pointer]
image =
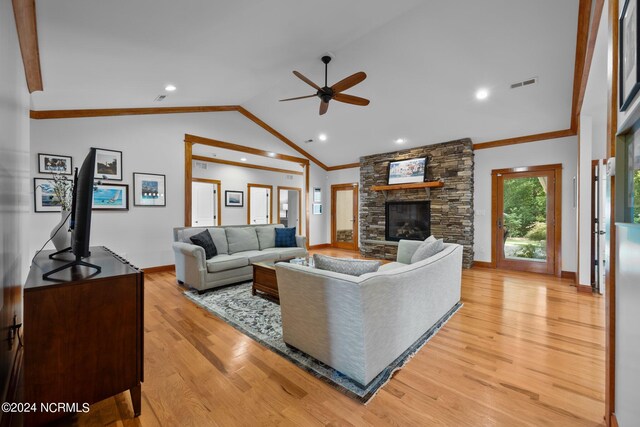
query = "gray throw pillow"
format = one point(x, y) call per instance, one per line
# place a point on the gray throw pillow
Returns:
point(427, 250)
point(352, 267)
point(242, 239)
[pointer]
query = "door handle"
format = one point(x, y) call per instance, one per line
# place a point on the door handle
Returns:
point(500, 223)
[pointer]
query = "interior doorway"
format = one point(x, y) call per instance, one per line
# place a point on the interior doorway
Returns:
point(527, 218)
point(205, 202)
point(260, 204)
point(344, 216)
point(290, 207)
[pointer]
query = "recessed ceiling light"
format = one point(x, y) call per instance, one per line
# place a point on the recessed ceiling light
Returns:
point(482, 94)
point(400, 141)
point(322, 137)
point(272, 154)
point(170, 88)
point(243, 159)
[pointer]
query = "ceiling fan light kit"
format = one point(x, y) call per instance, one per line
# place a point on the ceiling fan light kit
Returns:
point(327, 93)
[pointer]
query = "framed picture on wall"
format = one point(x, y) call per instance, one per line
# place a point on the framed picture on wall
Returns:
point(234, 198)
point(317, 208)
point(629, 54)
point(110, 197)
point(45, 198)
point(108, 164)
point(407, 171)
point(53, 163)
point(149, 189)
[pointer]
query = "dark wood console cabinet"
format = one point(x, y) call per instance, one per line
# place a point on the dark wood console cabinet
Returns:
point(83, 335)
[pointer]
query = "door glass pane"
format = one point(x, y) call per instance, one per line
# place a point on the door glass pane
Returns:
point(525, 219)
point(344, 216)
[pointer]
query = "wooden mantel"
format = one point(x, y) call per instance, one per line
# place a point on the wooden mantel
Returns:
point(391, 187)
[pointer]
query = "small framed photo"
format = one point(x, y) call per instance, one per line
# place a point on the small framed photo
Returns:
point(108, 164)
point(407, 171)
point(234, 198)
point(317, 195)
point(45, 198)
point(149, 189)
point(317, 208)
point(53, 163)
point(110, 197)
point(629, 53)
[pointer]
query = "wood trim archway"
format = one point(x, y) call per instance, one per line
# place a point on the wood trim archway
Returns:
point(249, 187)
point(216, 182)
point(556, 170)
point(356, 213)
point(299, 190)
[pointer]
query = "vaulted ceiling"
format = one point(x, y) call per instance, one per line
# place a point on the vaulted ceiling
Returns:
point(424, 61)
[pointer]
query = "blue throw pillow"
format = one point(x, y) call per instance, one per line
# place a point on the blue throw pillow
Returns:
point(286, 237)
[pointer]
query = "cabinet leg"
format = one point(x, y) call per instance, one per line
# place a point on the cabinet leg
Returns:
point(136, 399)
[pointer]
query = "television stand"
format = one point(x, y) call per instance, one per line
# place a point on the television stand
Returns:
point(77, 263)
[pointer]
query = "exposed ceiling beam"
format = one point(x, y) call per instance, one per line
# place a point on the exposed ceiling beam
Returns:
point(250, 150)
point(25, 15)
point(582, 38)
point(591, 44)
point(244, 165)
point(278, 135)
point(524, 139)
point(105, 112)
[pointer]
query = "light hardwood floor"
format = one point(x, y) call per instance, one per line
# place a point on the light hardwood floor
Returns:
point(525, 349)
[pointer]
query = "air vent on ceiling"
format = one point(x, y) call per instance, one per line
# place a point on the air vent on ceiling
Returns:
point(201, 165)
point(160, 98)
point(528, 82)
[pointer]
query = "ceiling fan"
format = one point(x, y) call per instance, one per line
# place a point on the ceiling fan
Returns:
point(327, 93)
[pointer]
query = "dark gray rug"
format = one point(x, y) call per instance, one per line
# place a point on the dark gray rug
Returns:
point(259, 318)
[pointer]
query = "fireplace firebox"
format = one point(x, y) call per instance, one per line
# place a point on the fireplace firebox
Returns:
point(407, 220)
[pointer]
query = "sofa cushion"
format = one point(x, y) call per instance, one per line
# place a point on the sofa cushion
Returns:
point(427, 249)
point(391, 266)
point(267, 235)
point(219, 239)
point(242, 239)
point(285, 237)
point(226, 262)
point(204, 240)
point(352, 267)
point(258, 256)
point(285, 253)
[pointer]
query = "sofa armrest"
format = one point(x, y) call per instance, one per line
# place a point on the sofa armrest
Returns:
point(406, 249)
point(301, 242)
point(191, 267)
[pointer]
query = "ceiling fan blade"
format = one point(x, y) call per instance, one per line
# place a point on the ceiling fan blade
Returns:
point(350, 99)
point(299, 97)
point(348, 82)
point(324, 106)
point(306, 80)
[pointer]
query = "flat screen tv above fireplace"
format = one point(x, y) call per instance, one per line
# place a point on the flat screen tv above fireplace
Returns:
point(407, 220)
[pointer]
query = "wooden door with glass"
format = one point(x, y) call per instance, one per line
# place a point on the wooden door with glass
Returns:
point(527, 218)
point(344, 216)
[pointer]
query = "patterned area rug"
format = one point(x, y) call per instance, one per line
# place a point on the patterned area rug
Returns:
point(260, 319)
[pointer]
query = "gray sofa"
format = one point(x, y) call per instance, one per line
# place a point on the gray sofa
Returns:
point(238, 247)
point(359, 325)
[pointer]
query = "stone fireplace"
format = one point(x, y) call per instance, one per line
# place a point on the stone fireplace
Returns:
point(407, 220)
point(450, 207)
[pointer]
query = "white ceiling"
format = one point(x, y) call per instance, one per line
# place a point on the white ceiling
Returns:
point(424, 62)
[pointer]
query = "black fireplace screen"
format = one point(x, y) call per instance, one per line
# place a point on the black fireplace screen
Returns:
point(407, 220)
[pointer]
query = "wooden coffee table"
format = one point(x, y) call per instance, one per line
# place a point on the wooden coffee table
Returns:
point(264, 279)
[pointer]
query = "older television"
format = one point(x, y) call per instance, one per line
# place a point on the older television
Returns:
point(80, 222)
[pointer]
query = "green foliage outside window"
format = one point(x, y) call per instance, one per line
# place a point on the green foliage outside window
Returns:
point(525, 206)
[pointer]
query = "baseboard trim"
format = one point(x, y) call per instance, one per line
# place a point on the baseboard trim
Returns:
point(321, 246)
point(160, 269)
point(483, 264)
point(585, 288)
point(568, 275)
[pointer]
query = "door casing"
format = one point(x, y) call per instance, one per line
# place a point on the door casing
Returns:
point(334, 189)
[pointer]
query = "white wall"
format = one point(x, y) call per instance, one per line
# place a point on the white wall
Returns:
point(562, 150)
point(584, 189)
point(236, 178)
point(153, 144)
